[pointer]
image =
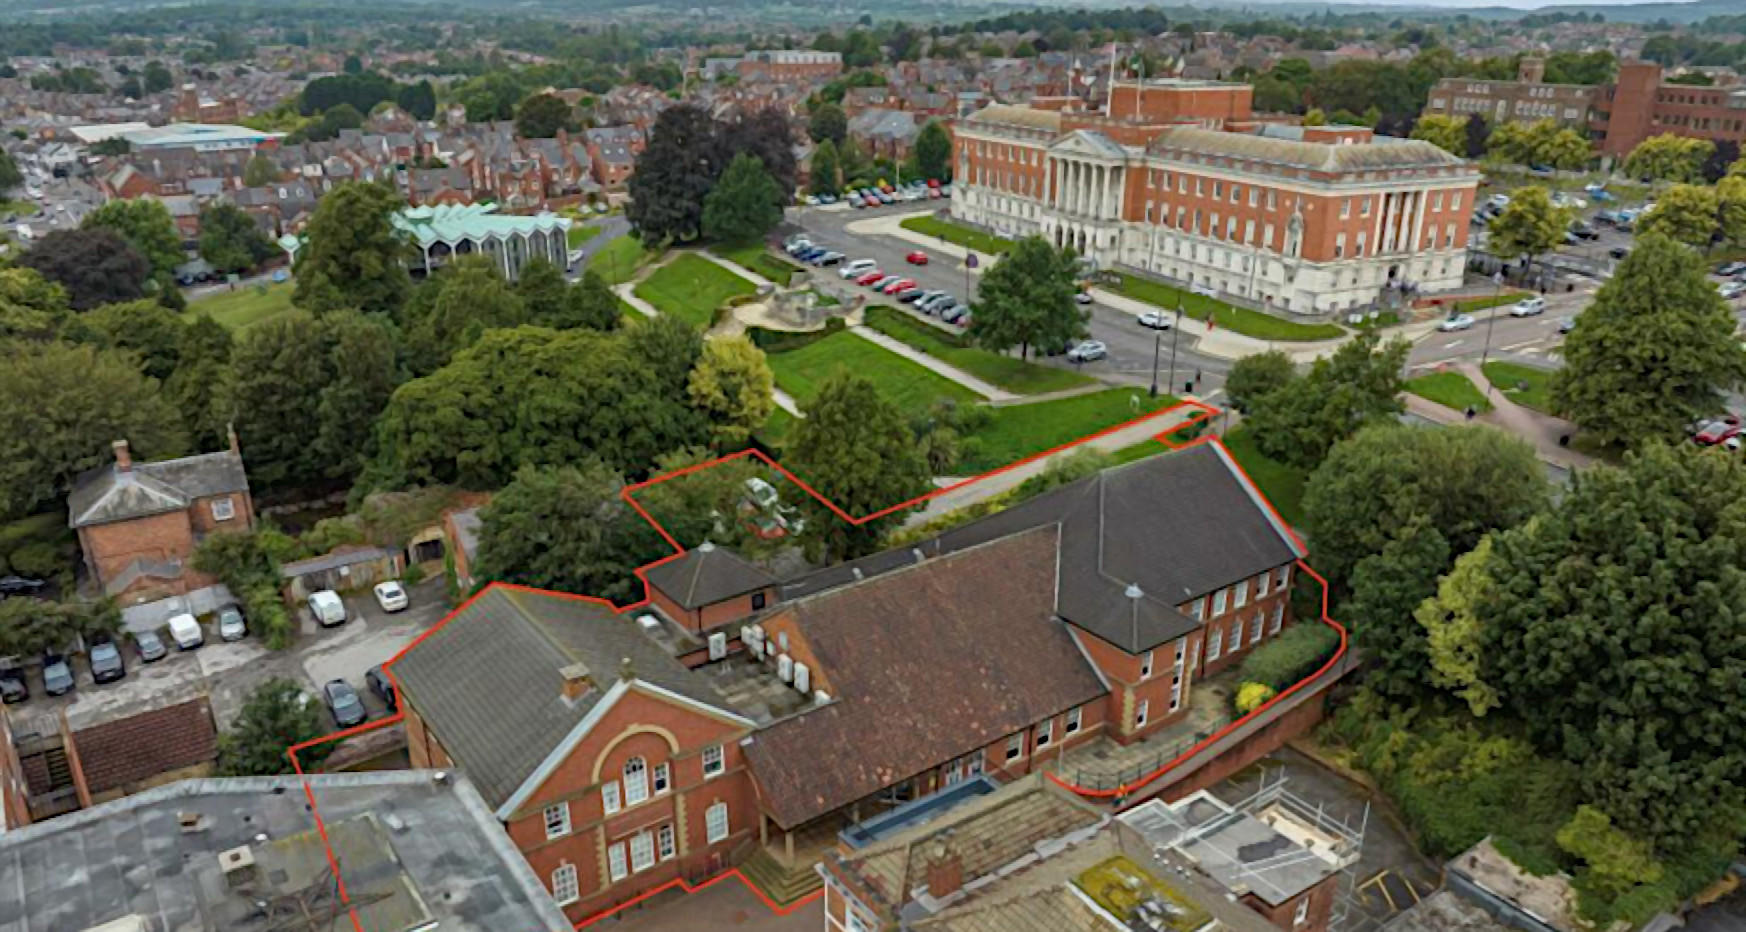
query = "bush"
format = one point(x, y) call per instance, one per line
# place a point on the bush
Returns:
point(1294, 654)
point(38, 559)
point(1068, 469)
point(266, 611)
point(1251, 696)
point(414, 574)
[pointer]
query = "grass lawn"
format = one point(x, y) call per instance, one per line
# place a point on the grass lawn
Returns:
point(691, 288)
point(1008, 372)
point(758, 259)
point(959, 234)
point(1507, 376)
point(1488, 302)
point(800, 372)
point(1241, 320)
point(1018, 431)
point(776, 430)
point(244, 307)
point(1282, 484)
point(578, 234)
point(1138, 451)
point(1449, 389)
point(620, 260)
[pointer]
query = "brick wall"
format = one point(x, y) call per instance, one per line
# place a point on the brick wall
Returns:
point(109, 548)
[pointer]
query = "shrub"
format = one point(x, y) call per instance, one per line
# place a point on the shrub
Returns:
point(414, 574)
point(1293, 655)
point(1064, 470)
point(38, 559)
point(1251, 696)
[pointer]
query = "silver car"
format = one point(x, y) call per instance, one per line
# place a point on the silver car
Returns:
point(1088, 351)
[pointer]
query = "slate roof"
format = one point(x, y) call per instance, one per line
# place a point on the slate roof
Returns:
point(125, 751)
point(1383, 153)
point(706, 575)
point(926, 665)
point(489, 681)
point(1176, 526)
point(1013, 115)
point(107, 494)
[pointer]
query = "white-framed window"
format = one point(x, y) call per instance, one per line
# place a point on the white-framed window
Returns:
point(1015, 746)
point(1194, 655)
point(1340, 246)
point(1242, 598)
point(616, 867)
point(856, 923)
point(1284, 576)
point(1198, 609)
point(557, 821)
point(664, 840)
point(636, 781)
point(1437, 201)
point(1176, 694)
point(713, 762)
point(1215, 644)
point(715, 822)
point(1236, 640)
point(564, 886)
point(1278, 617)
point(1181, 652)
point(642, 850)
point(1219, 599)
point(1140, 713)
point(1045, 733)
point(1146, 665)
point(609, 797)
point(1345, 208)
point(1255, 629)
point(1364, 206)
point(1302, 912)
point(223, 509)
point(1262, 583)
point(1073, 719)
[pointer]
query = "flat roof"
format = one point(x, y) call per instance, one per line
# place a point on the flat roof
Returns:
point(416, 852)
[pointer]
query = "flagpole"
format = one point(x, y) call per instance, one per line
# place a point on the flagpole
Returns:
point(1109, 97)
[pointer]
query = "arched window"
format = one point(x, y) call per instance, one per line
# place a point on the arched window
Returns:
point(636, 781)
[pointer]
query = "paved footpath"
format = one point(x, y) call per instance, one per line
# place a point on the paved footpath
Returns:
point(1540, 430)
point(736, 268)
point(987, 391)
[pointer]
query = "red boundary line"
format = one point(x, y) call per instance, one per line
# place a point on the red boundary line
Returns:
point(1203, 413)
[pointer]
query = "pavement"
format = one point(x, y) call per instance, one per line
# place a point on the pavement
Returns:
point(1543, 431)
point(611, 227)
point(727, 904)
point(990, 392)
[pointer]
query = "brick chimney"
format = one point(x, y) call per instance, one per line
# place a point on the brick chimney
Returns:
point(235, 445)
point(945, 871)
point(123, 456)
point(577, 681)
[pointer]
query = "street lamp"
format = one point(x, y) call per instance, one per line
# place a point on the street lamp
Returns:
point(1491, 321)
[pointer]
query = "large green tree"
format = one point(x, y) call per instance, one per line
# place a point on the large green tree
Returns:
point(931, 157)
point(1527, 227)
point(471, 298)
point(1669, 157)
point(567, 528)
point(362, 357)
point(231, 240)
point(741, 208)
point(1445, 132)
point(353, 256)
point(553, 302)
point(200, 387)
point(31, 306)
point(827, 169)
point(1359, 384)
point(827, 121)
point(146, 224)
point(1655, 351)
point(10, 176)
point(94, 266)
point(1026, 299)
point(674, 174)
point(1256, 375)
point(277, 715)
point(541, 116)
point(732, 384)
point(1684, 213)
point(149, 329)
point(767, 135)
point(1387, 587)
point(856, 450)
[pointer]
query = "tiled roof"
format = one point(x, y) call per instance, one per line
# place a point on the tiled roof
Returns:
point(129, 750)
point(928, 664)
point(1383, 153)
point(706, 575)
point(108, 494)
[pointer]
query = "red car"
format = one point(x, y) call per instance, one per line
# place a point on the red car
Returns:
point(870, 277)
point(916, 258)
point(897, 286)
point(1718, 431)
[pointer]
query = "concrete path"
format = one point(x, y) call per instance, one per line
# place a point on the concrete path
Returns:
point(990, 486)
point(1540, 430)
point(990, 392)
point(737, 269)
point(787, 403)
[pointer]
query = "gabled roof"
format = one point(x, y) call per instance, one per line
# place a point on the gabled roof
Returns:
point(139, 747)
point(490, 680)
point(108, 494)
point(706, 575)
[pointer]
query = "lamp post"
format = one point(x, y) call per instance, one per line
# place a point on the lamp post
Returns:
point(1485, 354)
point(1175, 334)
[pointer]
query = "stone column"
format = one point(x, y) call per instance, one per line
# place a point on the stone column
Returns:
point(1388, 223)
point(1419, 221)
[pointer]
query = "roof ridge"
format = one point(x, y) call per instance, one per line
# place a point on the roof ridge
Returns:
point(513, 594)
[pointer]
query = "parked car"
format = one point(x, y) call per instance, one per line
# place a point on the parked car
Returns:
point(1528, 307)
point(1584, 231)
point(1155, 320)
point(378, 682)
point(391, 596)
point(856, 268)
point(1732, 290)
point(811, 200)
point(1082, 297)
point(1718, 430)
point(795, 245)
point(891, 288)
point(344, 703)
point(829, 258)
point(935, 304)
point(20, 585)
point(908, 294)
point(106, 663)
point(855, 201)
point(231, 625)
point(922, 297)
point(13, 687)
point(57, 675)
point(1730, 269)
point(327, 607)
point(868, 278)
point(1618, 252)
point(810, 252)
point(956, 314)
point(151, 647)
point(185, 631)
point(878, 284)
point(1456, 322)
point(1087, 351)
point(1566, 324)
point(916, 257)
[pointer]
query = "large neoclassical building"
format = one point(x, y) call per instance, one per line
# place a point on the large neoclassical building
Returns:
point(1179, 181)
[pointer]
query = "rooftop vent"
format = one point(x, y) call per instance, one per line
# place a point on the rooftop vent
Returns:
point(238, 865)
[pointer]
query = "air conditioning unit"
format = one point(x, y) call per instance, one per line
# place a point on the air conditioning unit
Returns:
point(718, 645)
point(802, 678)
point(785, 668)
point(649, 622)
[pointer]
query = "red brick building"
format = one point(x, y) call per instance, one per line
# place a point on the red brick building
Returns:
point(798, 65)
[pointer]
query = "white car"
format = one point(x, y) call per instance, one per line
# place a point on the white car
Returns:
point(328, 608)
point(1155, 320)
point(1087, 351)
point(185, 631)
point(391, 596)
point(1732, 290)
point(1458, 322)
point(857, 268)
point(1528, 307)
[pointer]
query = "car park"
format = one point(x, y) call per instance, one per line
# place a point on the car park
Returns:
point(1528, 307)
point(231, 625)
point(344, 703)
point(13, 687)
point(1457, 322)
point(327, 607)
point(1155, 320)
point(150, 646)
point(57, 675)
point(1087, 351)
point(185, 631)
point(391, 595)
point(106, 663)
point(378, 682)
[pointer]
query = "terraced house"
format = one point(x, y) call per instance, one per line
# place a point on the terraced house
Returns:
point(1177, 180)
point(741, 718)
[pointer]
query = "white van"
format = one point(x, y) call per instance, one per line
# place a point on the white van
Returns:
point(185, 631)
point(857, 267)
point(327, 608)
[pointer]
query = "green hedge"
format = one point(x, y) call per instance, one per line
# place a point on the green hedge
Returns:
point(1294, 654)
point(782, 341)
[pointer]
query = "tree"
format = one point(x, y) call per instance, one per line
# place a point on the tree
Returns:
point(67, 404)
point(1655, 351)
point(541, 116)
point(231, 240)
point(352, 254)
point(278, 371)
point(589, 303)
point(32, 626)
point(1715, 167)
point(260, 172)
point(1616, 861)
point(854, 448)
point(31, 306)
point(1256, 376)
point(1454, 634)
point(1445, 132)
point(567, 528)
point(828, 121)
point(94, 266)
point(364, 369)
point(1528, 226)
point(932, 155)
point(10, 176)
point(277, 715)
point(767, 135)
point(827, 175)
point(418, 100)
point(1357, 385)
point(1315, 117)
point(1478, 133)
point(147, 226)
point(1684, 213)
point(1668, 157)
point(200, 387)
point(157, 78)
point(673, 176)
point(741, 208)
point(471, 298)
point(1731, 209)
point(150, 330)
point(1387, 587)
point(1026, 299)
point(733, 385)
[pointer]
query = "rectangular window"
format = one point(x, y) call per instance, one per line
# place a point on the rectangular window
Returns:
point(1242, 594)
point(609, 797)
point(616, 867)
point(712, 762)
point(564, 886)
point(1015, 746)
point(758, 601)
point(1218, 190)
point(1437, 201)
point(1074, 716)
point(642, 850)
point(1215, 644)
point(1199, 607)
point(1340, 246)
point(1345, 208)
point(1200, 187)
point(1140, 713)
point(1219, 598)
point(1181, 184)
point(636, 782)
point(1261, 583)
point(1255, 629)
point(1272, 200)
point(1455, 201)
point(665, 841)
point(1284, 576)
point(1358, 251)
point(1236, 642)
point(1146, 666)
point(663, 779)
point(222, 509)
point(1252, 192)
point(1278, 616)
point(1045, 734)
point(1194, 655)
point(1176, 694)
point(1302, 912)
point(1364, 206)
point(715, 822)
point(557, 821)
